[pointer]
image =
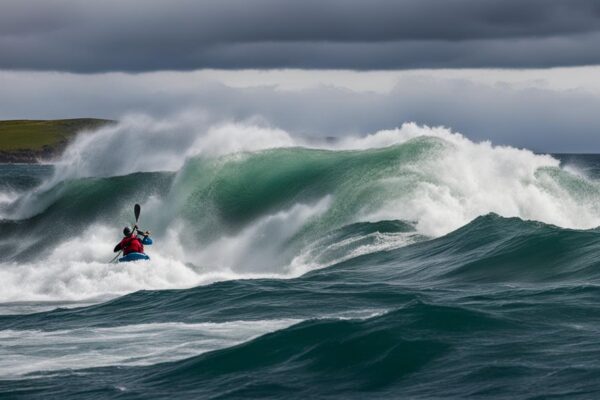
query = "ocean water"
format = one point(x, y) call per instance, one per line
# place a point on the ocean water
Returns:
point(411, 263)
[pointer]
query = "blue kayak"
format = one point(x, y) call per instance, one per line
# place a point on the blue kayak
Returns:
point(134, 257)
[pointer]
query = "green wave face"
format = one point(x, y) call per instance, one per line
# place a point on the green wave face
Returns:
point(230, 193)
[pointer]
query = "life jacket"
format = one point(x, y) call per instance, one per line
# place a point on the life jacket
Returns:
point(131, 244)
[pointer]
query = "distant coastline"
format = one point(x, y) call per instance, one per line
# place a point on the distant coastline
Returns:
point(34, 141)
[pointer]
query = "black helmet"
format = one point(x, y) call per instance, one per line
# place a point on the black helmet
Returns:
point(127, 231)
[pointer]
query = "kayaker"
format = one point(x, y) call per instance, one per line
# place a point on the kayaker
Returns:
point(131, 242)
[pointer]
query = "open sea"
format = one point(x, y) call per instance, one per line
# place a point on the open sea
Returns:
point(408, 264)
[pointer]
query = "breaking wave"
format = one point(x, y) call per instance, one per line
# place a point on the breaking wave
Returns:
point(246, 201)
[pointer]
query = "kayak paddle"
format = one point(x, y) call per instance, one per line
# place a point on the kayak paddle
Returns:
point(136, 211)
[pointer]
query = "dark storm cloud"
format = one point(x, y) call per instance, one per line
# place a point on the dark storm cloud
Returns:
point(144, 35)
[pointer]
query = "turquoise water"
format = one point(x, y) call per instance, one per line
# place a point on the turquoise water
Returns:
point(295, 281)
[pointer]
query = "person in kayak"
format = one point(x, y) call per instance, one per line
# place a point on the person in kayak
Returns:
point(131, 242)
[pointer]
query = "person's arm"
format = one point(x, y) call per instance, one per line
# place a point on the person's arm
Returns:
point(117, 248)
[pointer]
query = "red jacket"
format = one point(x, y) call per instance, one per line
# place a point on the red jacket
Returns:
point(131, 244)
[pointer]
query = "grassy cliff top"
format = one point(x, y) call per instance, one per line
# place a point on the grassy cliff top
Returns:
point(34, 135)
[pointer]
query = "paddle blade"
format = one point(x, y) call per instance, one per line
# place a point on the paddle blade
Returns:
point(136, 210)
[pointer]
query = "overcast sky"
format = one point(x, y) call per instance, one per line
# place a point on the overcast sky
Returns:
point(320, 67)
point(146, 35)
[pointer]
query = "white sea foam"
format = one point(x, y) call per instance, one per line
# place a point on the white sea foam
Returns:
point(7, 198)
point(322, 254)
point(78, 269)
point(30, 351)
point(27, 351)
point(471, 179)
point(260, 248)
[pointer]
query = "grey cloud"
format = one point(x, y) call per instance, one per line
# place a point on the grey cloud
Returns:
point(136, 35)
point(540, 119)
